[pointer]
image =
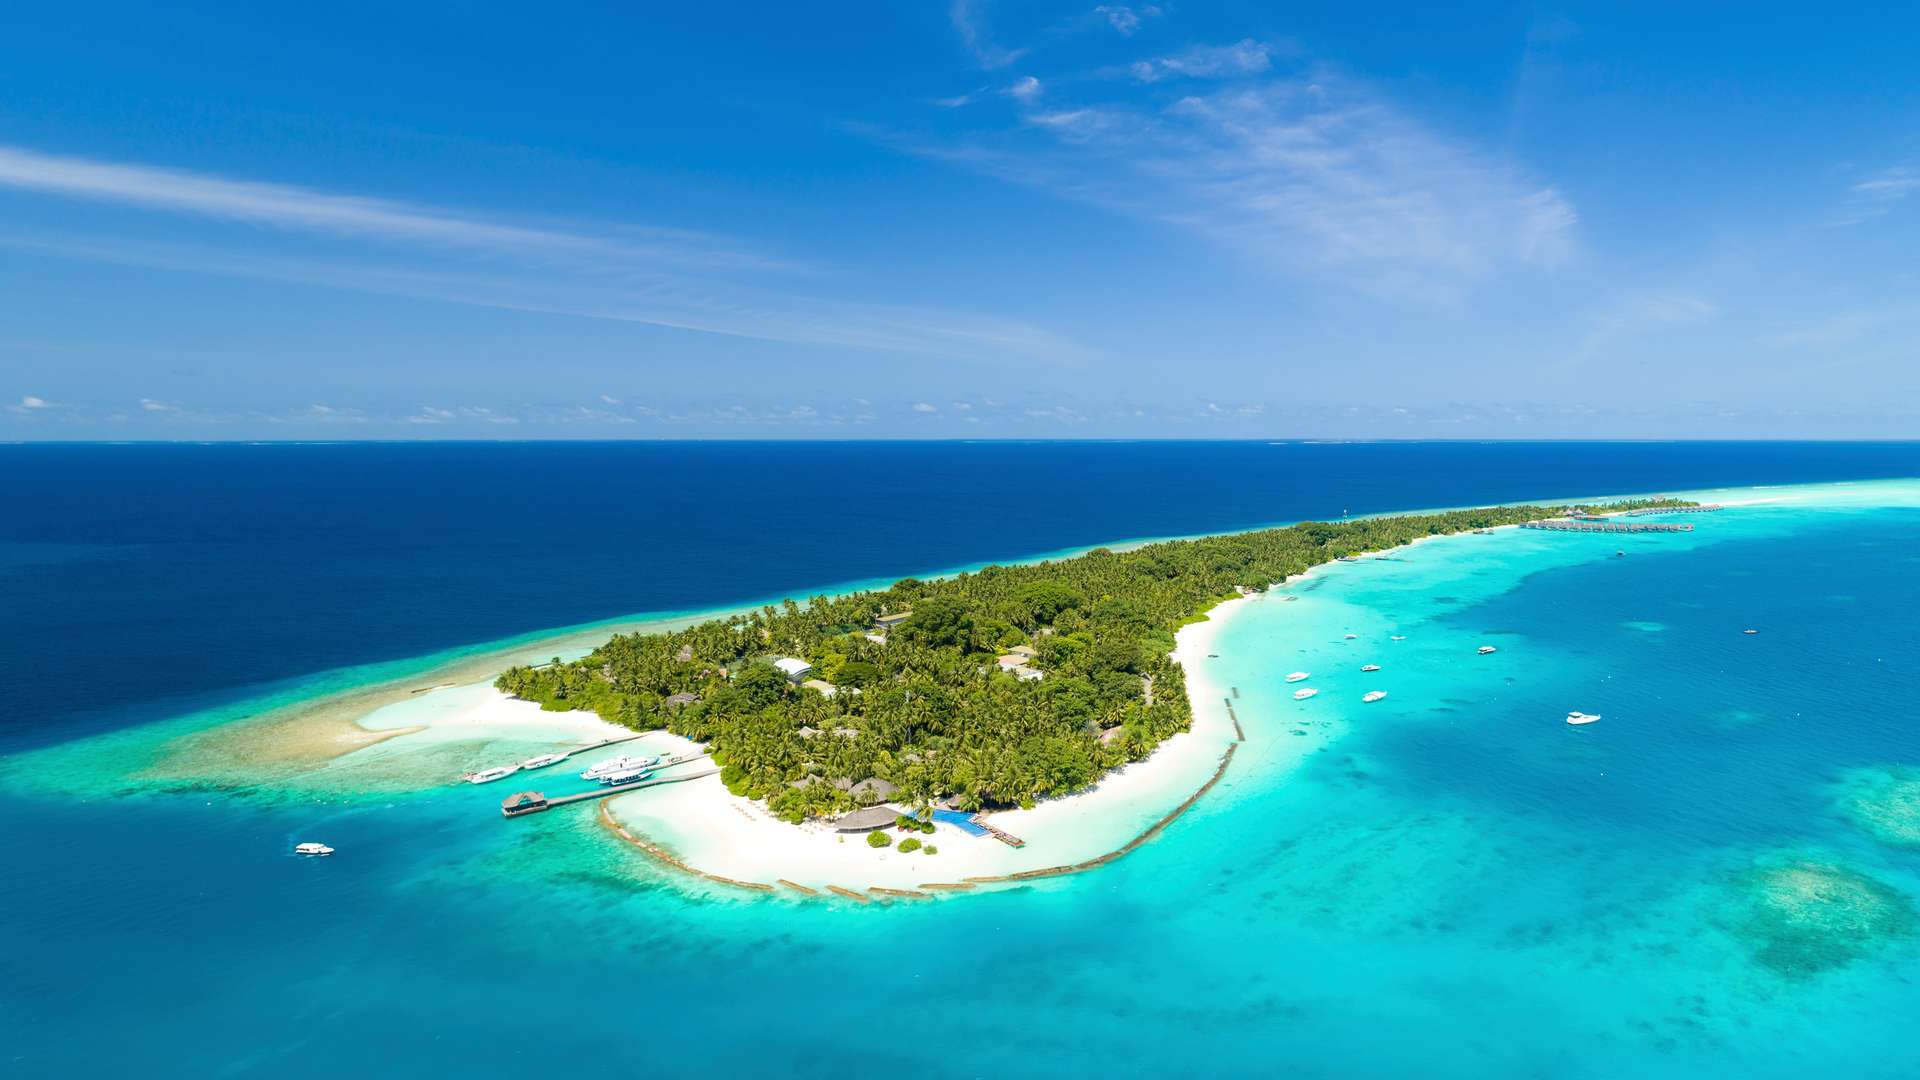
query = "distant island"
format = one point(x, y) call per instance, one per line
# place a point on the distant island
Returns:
point(988, 689)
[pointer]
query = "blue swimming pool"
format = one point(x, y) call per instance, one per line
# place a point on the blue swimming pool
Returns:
point(964, 821)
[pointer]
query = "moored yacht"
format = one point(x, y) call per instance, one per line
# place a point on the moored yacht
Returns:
point(543, 761)
point(488, 776)
point(1373, 695)
point(626, 776)
point(617, 764)
point(311, 848)
point(1300, 676)
point(1578, 717)
point(1304, 694)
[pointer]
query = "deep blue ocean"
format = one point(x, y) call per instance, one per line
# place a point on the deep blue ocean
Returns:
point(177, 574)
point(1720, 878)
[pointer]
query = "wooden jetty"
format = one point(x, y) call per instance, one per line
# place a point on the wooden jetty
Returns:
point(533, 802)
point(1000, 834)
point(1238, 735)
point(1586, 525)
point(1703, 508)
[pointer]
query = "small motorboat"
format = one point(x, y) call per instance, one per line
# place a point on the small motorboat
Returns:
point(1577, 717)
point(1487, 649)
point(311, 848)
point(1373, 695)
point(1350, 637)
point(1304, 694)
point(1369, 667)
point(1398, 637)
point(488, 776)
point(543, 761)
point(1300, 676)
point(1749, 631)
point(1213, 656)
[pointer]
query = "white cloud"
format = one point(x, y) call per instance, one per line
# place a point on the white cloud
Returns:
point(665, 278)
point(150, 405)
point(609, 399)
point(968, 24)
point(1025, 88)
point(31, 402)
point(1126, 19)
point(1316, 175)
point(1242, 58)
point(1877, 195)
point(923, 407)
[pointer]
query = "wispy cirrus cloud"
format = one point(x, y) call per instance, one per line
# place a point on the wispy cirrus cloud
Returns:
point(1877, 195)
point(674, 278)
point(1126, 19)
point(1310, 171)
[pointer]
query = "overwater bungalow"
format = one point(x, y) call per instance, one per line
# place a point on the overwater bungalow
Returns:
point(523, 802)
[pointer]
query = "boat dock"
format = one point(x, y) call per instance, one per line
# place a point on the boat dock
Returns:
point(533, 802)
point(1703, 508)
point(1000, 834)
point(601, 745)
point(1590, 525)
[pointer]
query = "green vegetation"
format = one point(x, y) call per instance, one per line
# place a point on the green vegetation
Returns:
point(911, 843)
point(878, 838)
point(925, 705)
point(929, 850)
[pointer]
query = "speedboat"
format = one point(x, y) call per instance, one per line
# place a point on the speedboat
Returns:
point(543, 761)
point(1304, 694)
point(488, 776)
point(1398, 637)
point(626, 776)
point(616, 764)
point(1749, 631)
point(1373, 695)
point(311, 848)
point(1369, 667)
point(1350, 637)
point(1582, 718)
point(1485, 649)
point(1299, 676)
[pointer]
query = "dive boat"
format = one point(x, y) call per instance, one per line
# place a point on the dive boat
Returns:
point(1369, 667)
point(311, 848)
point(1582, 718)
point(1299, 676)
point(616, 764)
point(1304, 694)
point(543, 761)
point(1373, 695)
point(1485, 649)
point(488, 776)
point(626, 776)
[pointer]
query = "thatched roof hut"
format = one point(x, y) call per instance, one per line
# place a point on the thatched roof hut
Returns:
point(867, 820)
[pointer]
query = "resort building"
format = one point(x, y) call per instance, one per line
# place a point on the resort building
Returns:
point(888, 622)
point(1011, 661)
point(681, 700)
point(1027, 651)
point(793, 669)
point(867, 820)
point(871, 790)
point(826, 688)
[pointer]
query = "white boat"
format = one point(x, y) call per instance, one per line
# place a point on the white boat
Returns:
point(626, 776)
point(1300, 676)
point(1369, 667)
point(1485, 649)
point(1749, 631)
point(1398, 637)
point(617, 764)
point(1304, 694)
point(543, 761)
point(488, 776)
point(1578, 717)
point(311, 848)
point(1350, 637)
point(1373, 695)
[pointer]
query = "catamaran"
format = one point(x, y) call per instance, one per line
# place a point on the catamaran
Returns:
point(311, 848)
point(488, 776)
point(1578, 717)
point(1373, 695)
point(1304, 694)
point(543, 761)
point(1300, 676)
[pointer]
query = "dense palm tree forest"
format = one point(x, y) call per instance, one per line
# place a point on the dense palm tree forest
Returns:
point(1000, 687)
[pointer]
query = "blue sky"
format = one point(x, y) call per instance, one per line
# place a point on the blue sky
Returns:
point(964, 218)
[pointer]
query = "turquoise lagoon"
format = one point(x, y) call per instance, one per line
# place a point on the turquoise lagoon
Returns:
point(1715, 879)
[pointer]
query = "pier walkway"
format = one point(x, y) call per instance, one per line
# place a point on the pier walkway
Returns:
point(533, 802)
point(1593, 526)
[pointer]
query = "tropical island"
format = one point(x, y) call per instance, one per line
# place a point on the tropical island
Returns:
point(989, 689)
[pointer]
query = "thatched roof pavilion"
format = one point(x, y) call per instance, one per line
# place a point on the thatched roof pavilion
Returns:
point(867, 820)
